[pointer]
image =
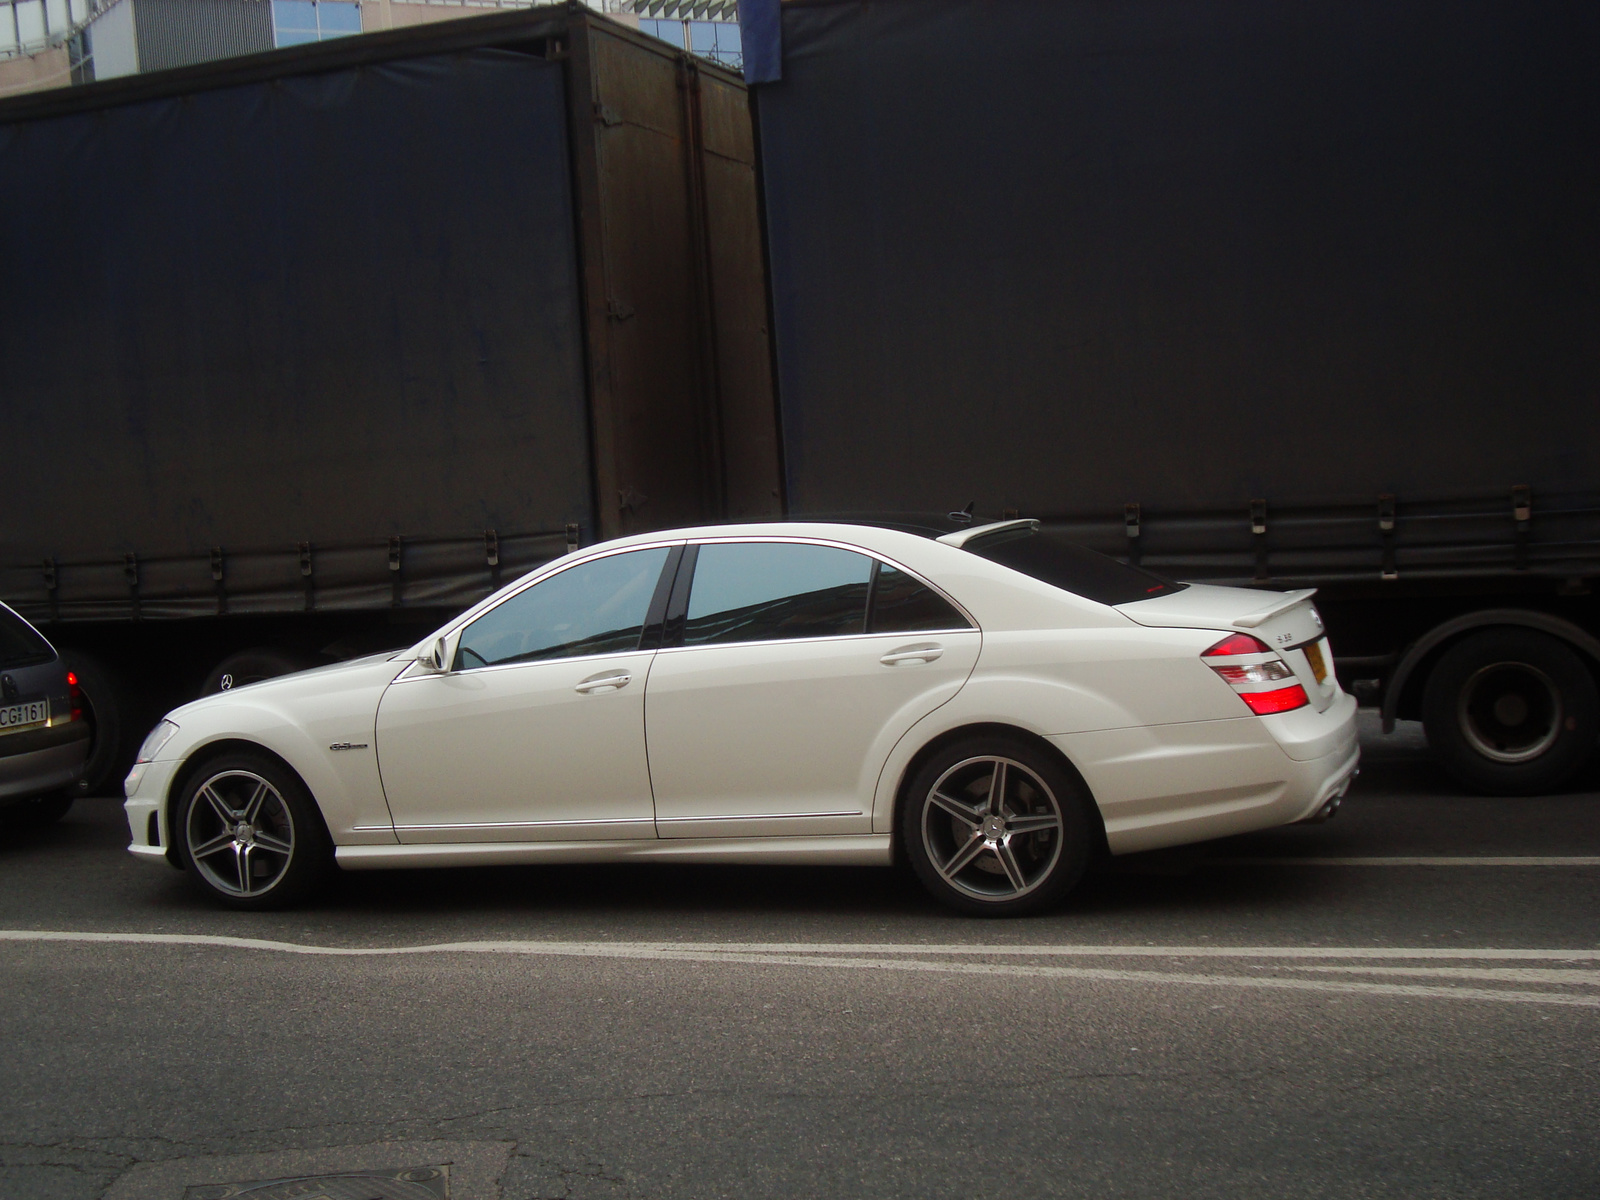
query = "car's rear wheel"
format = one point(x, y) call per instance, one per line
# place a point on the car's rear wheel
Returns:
point(995, 827)
point(1511, 712)
point(249, 833)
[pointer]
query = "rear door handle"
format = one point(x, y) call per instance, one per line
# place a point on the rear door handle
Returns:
point(608, 682)
point(908, 654)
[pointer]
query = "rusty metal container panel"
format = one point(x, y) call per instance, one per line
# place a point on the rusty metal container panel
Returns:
point(752, 480)
point(680, 383)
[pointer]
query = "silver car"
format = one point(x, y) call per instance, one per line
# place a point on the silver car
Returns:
point(44, 738)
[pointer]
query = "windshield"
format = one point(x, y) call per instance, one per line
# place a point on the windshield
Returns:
point(20, 645)
point(1053, 559)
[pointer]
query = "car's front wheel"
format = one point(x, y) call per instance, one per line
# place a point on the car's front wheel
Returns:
point(995, 827)
point(249, 833)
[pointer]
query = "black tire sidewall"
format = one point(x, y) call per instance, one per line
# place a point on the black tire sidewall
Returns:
point(110, 754)
point(1077, 840)
point(1580, 703)
point(309, 865)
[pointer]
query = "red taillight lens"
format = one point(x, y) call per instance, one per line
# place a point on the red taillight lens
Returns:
point(72, 679)
point(1239, 643)
point(1277, 701)
point(76, 693)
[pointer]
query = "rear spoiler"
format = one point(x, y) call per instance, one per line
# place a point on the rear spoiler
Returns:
point(1282, 604)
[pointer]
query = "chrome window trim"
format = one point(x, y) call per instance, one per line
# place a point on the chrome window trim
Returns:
point(831, 543)
point(407, 677)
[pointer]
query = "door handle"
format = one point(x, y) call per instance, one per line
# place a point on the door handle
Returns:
point(908, 654)
point(604, 683)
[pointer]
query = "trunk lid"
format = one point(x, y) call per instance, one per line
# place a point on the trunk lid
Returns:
point(1286, 621)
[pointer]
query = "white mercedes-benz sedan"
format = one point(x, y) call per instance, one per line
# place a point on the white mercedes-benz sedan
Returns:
point(996, 705)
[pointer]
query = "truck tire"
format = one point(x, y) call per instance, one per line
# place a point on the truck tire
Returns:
point(106, 710)
point(252, 666)
point(1511, 712)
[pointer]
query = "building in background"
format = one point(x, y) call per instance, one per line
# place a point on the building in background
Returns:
point(56, 43)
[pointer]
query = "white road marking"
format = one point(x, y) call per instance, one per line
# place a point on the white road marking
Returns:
point(1387, 860)
point(1564, 975)
point(852, 956)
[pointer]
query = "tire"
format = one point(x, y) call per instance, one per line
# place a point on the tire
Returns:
point(110, 756)
point(1511, 712)
point(252, 666)
point(277, 851)
point(976, 859)
point(36, 812)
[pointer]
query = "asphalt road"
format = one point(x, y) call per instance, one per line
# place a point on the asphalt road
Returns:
point(1269, 1016)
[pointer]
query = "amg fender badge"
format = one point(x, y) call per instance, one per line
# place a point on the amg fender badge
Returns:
point(348, 746)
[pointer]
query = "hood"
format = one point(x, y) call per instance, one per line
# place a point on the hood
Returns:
point(389, 662)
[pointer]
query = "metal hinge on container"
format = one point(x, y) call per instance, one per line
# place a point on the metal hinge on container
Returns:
point(1522, 513)
point(607, 115)
point(1258, 528)
point(1130, 529)
point(619, 310)
point(491, 555)
point(572, 537)
point(394, 571)
point(216, 578)
point(130, 569)
point(50, 588)
point(306, 577)
point(1386, 520)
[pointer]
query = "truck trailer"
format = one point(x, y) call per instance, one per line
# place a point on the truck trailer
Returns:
point(305, 351)
point(1293, 295)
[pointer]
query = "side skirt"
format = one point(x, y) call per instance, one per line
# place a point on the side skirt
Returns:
point(857, 850)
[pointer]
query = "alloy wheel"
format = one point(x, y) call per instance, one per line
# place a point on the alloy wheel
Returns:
point(992, 828)
point(241, 833)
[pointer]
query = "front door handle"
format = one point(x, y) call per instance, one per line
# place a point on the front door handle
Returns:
point(608, 682)
point(907, 654)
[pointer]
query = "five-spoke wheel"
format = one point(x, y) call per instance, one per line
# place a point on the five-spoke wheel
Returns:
point(995, 827)
point(250, 835)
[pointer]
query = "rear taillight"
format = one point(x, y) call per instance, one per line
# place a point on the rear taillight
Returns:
point(1251, 668)
point(76, 693)
point(1276, 701)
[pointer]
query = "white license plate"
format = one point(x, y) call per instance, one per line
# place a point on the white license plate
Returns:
point(14, 717)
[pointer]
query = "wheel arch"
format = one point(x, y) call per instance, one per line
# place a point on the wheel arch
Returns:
point(196, 762)
point(993, 729)
point(1404, 693)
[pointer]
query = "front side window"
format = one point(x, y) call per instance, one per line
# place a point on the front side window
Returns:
point(596, 607)
point(765, 591)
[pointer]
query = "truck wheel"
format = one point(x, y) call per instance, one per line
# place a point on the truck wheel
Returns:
point(106, 712)
point(1511, 712)
point(252, 666)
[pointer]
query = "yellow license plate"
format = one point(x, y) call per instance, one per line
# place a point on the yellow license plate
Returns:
point(1319, 665)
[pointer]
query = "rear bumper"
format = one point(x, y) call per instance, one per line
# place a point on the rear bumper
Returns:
point(52, 759)
point(1171, 785)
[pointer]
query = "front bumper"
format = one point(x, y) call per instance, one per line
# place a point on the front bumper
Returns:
point(146, 790)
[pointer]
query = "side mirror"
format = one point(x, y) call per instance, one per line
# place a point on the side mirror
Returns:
point(433, 659)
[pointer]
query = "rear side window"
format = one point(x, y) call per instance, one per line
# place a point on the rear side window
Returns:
point(20, 644)
point(1051, 558)
point(902, 604)
point(766, 591)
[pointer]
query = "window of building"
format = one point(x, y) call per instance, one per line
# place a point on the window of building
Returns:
point(295, 22)
point(717, 40)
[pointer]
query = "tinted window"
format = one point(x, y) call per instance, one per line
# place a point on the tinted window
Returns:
point(20, 645)
point(901, 604)
point(598, 607)
point(1069, 566)
point(758, 591)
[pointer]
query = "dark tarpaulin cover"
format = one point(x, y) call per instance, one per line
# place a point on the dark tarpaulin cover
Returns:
point(1061, 256)
point(330, 308)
